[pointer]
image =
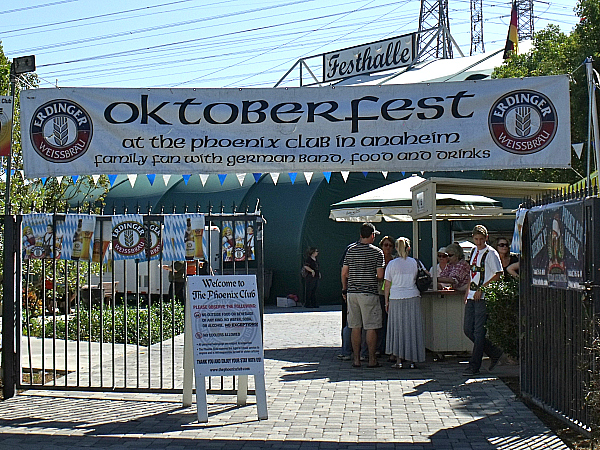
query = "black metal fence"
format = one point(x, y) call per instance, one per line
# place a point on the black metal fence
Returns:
point(558, 325)
point(115, 325)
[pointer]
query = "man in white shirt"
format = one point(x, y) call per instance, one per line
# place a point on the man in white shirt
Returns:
point(486, 268)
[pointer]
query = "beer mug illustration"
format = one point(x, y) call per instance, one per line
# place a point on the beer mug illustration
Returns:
point(198, 231)
point(87, 231)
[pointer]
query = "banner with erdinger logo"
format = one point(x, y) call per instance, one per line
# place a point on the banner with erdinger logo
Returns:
point(470, 125)
point(6, 115)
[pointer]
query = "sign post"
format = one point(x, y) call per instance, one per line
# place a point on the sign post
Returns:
point(226, 336)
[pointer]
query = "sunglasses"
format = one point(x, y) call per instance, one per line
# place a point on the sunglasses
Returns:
point(450, 255)
point(442, 255)
point(502, 244)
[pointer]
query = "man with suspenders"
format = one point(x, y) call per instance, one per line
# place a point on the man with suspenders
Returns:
point(485, 268)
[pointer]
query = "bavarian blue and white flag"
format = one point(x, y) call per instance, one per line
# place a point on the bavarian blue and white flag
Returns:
point(183, 237)
point(515, 246)
point(38, 236)
point(76, 234)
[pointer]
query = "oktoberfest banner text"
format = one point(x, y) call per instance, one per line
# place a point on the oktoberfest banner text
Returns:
point(470, 125)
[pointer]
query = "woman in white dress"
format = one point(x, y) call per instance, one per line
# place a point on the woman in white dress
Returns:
point(404, 337)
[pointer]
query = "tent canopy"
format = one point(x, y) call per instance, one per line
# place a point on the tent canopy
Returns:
point(393, 202)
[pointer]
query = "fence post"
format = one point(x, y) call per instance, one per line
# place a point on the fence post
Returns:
point(8, 310)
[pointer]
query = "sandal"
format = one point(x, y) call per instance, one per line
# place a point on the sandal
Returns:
point(412, 365)
point(397, 366)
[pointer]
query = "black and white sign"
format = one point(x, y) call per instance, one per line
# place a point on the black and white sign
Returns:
point(471, 125)
point(370, 58)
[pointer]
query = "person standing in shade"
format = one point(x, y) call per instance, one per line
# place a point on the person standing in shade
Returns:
point(485, 269)
point(177, 275)
point(311, 282)
point(363, 267)
point(386, 244)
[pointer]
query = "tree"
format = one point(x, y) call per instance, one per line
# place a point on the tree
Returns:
point(35, 195)
point(555, 53)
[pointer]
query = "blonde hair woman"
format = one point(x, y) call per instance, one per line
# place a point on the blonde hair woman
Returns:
point(404, 337)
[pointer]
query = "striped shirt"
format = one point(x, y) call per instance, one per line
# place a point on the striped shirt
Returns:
point(363, 260)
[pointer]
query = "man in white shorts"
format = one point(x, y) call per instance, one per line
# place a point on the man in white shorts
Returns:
point(363, 267)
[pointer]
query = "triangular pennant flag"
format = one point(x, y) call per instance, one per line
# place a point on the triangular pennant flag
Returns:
point(186, 178)
point(74, 178)
point(293, 176)
point(327, 176)
point(166, 179)
point(402, 173)
point(241, 177)
point(578, 149)
point(344, 176)
point(132, 177)
point(203, 178)
point(365, 174)
point(95, 178)
point(308, 177)
point(256, 176)
point(274, 177)
point(22, 172)
point(222, 177)
point(384, 175)
point(151, 177)
point(59, 179)
point(44, 179)
point(112, 179)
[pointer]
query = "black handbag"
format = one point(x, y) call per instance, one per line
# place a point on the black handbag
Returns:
point(424, 279)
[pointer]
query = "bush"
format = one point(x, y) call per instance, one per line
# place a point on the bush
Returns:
point(90, 329)
point(502, 300)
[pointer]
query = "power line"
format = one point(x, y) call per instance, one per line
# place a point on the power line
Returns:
point(27, 8)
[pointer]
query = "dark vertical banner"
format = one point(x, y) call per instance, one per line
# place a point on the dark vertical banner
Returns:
point(557, 258)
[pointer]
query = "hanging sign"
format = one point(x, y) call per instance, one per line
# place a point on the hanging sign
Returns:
point(470, 125)
point(38, 237)
point(557, 245)
point(76, 235)
point(6, 116)
point(184, 237)
point(370, 58)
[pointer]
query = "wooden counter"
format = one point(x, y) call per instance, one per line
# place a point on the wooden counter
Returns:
point(443, 314)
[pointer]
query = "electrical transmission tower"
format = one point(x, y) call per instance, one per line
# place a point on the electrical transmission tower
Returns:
point(525, 20)
point(434, 30)
point(477, 44)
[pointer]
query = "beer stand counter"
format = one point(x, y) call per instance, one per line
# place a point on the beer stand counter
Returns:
point(443, 317)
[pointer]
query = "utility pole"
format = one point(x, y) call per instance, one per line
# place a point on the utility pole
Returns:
point(434, 30)
point(477, 43)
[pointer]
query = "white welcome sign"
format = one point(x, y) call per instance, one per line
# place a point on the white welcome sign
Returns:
point(226, 334)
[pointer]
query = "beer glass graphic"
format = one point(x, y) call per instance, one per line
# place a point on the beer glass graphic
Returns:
point(197, 232)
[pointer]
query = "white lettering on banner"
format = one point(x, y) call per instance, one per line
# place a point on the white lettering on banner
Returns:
point(435, 126)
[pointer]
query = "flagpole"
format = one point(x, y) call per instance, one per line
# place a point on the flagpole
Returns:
point(12, 78)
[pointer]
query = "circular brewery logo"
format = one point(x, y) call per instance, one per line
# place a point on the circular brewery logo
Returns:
point(155, 243)
point(60, 131)
point(523, 122)
point(128, 238)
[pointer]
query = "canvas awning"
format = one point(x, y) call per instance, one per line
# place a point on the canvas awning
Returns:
point(393, 203)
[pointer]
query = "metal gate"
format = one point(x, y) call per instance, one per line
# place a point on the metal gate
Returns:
point(112, 325)
point(558, 325)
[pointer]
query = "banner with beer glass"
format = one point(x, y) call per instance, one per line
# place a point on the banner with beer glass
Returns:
point(76, 235)
point(182, 238)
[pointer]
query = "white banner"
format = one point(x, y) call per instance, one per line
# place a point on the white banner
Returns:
point(470, 125)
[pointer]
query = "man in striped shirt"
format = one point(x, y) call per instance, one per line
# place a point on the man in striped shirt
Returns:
point(363, 267)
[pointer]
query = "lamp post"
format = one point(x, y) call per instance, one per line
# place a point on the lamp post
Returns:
point(9, 355)
point(18, 66)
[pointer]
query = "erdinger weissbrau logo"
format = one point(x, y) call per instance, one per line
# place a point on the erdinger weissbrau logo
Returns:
point(61, 131)
point(129, 238)
point(523, 122)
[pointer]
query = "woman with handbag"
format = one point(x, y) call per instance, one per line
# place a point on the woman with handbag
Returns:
point(405, 339)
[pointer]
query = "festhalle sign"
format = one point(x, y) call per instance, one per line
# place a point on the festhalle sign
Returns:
point(470, 125)
point(226, 331)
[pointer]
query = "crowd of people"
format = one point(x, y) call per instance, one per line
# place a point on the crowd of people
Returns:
point(382, 304)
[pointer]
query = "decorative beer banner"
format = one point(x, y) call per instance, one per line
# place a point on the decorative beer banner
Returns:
point(469, 125)
point(228, 241)
point(6, 116)
point(76, 234)
point(102, 241)
point(250, 242)
point(38, 236)
point(240, 241)
point(183, 237)
point(155, 235)
point(515, 245)
point(557, 249)
point(128, 237)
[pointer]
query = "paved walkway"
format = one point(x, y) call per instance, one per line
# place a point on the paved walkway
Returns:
point(315, 401)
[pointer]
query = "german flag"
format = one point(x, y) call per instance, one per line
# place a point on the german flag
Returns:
point(512, 40)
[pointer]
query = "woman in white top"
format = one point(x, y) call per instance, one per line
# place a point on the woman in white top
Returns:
point(404, 337)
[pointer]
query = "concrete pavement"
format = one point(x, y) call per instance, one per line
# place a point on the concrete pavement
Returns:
point(315, 401)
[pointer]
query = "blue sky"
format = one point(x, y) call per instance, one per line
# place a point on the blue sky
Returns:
point(209, 43)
